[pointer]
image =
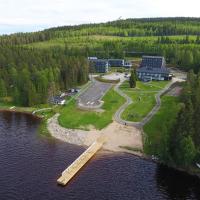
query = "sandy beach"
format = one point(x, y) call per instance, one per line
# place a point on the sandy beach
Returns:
point(117, 136)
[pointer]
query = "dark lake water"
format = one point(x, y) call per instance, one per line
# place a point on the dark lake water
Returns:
point(30, 165)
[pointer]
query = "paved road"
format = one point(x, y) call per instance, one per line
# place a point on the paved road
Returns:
point(129, 101)
point(91, 98)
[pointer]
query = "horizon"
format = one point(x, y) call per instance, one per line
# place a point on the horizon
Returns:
point(32, 29)
point(35, 16)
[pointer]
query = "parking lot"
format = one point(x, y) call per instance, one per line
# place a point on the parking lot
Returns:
point(91, 98)
point(115, 76)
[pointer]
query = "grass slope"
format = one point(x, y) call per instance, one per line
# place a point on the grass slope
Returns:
point(143, 97)
point(158, 127)
point(72, 117)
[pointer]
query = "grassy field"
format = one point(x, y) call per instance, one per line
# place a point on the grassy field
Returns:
point(96, 40)
point(72, 117)
point(143, 97)
point(156, 129)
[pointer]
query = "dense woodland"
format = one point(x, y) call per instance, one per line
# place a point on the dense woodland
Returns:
point(123, 28)
point(32, 77)
point(184, 141)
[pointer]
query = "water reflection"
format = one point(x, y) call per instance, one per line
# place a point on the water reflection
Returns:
point(176, 184)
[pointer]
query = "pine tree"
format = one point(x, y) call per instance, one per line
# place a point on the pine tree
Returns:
point(186, 152)
point(32, 95)
point(132, 80)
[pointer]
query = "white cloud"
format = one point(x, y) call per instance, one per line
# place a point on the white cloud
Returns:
point(47, 13)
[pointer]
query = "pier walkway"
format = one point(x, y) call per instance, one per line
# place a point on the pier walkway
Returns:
point(71, 171)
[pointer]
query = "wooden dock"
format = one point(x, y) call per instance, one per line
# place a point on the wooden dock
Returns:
point(71, 171)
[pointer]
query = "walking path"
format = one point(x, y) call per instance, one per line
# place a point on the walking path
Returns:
point(41, 110)
point(118, 134)
point(129, 101)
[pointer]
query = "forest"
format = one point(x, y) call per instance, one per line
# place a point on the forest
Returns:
point(178, 139)
point(184, 140)
point(30, 77)
point(34, 66)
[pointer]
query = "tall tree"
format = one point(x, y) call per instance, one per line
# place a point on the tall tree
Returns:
point(133, 79)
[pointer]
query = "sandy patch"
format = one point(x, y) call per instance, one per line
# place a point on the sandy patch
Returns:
point(117, 135)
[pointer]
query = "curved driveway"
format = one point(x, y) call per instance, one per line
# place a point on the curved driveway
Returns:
point(129, 101)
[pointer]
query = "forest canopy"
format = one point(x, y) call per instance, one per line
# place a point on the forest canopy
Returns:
point(34, 66)
point(32, 76)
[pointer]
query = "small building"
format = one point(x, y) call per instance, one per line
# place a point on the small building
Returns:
point(127, 64)
point(58, 100)
point(153, 68)
point(116, 62)
point(92, 58)
point(98, 65)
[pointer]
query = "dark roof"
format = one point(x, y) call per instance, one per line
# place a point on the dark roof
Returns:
point(121, 60)
point(153, 70)
point(153, 64)
point(153, 61)
point(99, 61)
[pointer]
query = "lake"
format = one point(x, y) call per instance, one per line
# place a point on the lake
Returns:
point(30, 165)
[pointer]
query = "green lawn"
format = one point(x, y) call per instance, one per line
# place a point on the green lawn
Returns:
point(143, 97)
point(158, 127)
point(72, 117)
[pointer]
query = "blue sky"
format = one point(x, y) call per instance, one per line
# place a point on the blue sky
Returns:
point(33, 15)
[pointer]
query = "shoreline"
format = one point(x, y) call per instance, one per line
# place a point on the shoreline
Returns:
point(122, 150)
point(80, 138)
point(117, 135)
point(22, 112)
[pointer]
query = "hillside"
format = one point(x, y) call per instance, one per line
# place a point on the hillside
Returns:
point(55, 59)
point(175, 38)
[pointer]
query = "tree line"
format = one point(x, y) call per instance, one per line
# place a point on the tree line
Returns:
point(184, 141)
point(122, 28)
point(32, 76)
point(177, 140)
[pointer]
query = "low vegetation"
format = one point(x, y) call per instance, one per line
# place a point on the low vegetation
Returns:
point(72, 117)
point(143, 97)
point(43, 130)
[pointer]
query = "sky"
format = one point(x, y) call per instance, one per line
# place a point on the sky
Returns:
point(34, 15)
